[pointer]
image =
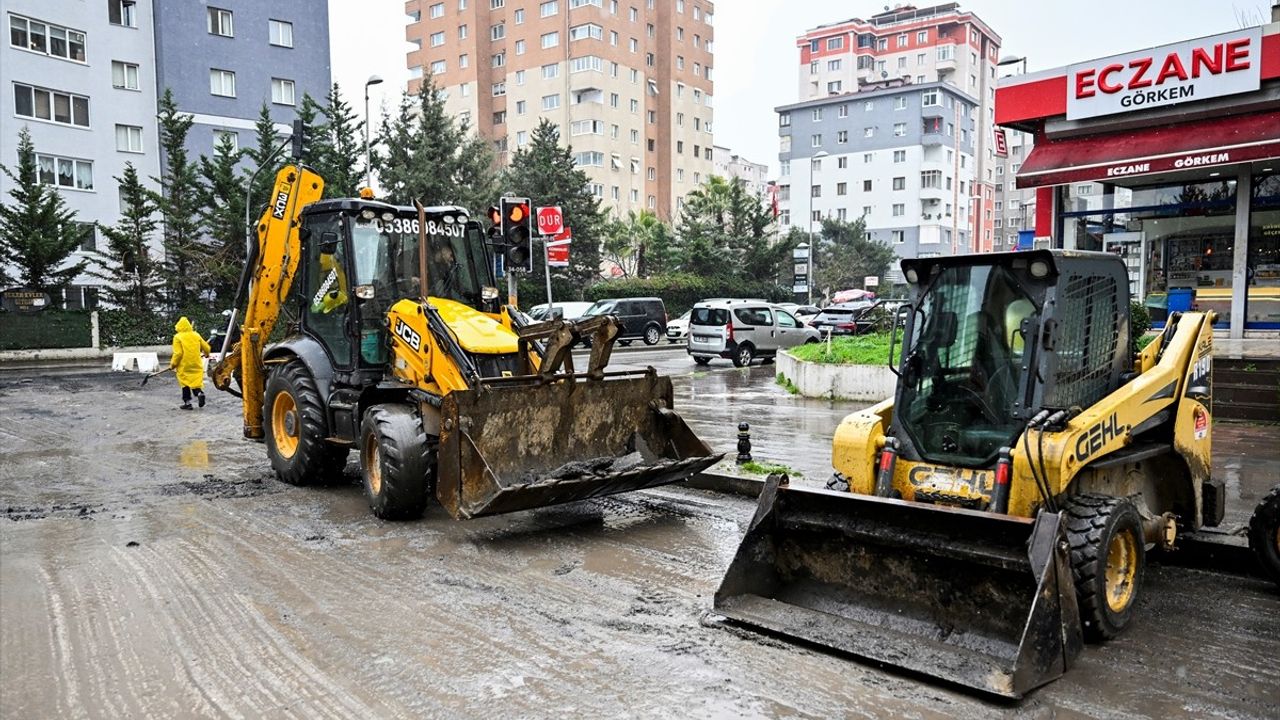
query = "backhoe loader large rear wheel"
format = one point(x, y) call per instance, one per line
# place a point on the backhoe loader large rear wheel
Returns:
point(1264, 533)
point(296, 429)
point(396, 462)
point(1108, 557)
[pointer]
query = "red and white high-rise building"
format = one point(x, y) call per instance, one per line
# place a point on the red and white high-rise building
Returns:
point(909, 46)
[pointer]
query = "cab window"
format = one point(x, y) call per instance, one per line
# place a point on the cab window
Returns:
point(759, 317)
point(786, 320)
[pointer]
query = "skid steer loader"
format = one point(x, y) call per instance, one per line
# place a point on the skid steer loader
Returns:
point(996, 512)
point(401, 349)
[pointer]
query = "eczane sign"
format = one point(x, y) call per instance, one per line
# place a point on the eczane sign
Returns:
point(1209, 67)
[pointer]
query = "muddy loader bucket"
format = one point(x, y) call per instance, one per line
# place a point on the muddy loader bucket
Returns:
point(982, 600)
point(523, 444)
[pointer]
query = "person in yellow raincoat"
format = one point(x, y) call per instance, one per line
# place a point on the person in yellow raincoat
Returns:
point(189, 349)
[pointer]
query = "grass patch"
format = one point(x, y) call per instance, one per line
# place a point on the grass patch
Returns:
point(871, 349)
point(756, 468)
point(787, 384)
point(1144, 340)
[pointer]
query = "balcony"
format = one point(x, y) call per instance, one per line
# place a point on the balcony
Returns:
point(933, 139)
point(934, 195)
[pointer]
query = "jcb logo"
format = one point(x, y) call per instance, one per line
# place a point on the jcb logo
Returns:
point(408, 334)
point(281, 204)
point(1096, 437)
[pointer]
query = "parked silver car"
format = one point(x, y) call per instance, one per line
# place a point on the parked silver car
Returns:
point(743, 330)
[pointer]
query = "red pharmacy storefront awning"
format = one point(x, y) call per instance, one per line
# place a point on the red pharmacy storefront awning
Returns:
point(1169, 148)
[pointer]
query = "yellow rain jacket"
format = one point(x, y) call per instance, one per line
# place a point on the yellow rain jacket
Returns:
point(188, 349)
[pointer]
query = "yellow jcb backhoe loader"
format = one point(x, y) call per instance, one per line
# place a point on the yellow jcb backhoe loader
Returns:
point(996, 511)
point(400, 349)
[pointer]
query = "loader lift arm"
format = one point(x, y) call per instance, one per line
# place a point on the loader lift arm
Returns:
point(270, 268)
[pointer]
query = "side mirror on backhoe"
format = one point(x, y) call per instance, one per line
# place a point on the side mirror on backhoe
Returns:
point(328, 242)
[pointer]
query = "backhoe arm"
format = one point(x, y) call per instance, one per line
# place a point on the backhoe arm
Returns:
point(268, 274)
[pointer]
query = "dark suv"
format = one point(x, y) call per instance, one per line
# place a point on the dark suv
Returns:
point(641, 318)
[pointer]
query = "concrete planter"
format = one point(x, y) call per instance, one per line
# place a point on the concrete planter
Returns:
point(845, 382)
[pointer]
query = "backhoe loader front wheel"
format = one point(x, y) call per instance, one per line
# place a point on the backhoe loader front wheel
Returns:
point(297, 428)
point(396, 462)
point(1264, 533)
point(1108, 556)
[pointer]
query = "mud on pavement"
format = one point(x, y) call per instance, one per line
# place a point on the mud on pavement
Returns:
point(194, 584)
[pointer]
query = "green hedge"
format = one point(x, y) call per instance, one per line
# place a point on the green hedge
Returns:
point(122, 328)
point(681, 291)
point(46, 329)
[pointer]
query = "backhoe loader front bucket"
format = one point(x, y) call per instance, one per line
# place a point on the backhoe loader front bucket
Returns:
point(982, 600)
point(522, 443)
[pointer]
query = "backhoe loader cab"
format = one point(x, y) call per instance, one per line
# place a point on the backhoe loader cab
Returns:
point(402, 351)
point(997, 510)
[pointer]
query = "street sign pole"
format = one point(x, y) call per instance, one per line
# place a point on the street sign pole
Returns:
point(546, 265)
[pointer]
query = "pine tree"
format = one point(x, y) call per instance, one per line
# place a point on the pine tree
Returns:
point(313, 146)
point(845, 256)
point(341, 159)
point(132, 273)
point(265, 143)
point(179, 204)
point(725, 230)
point(222, 212)
point(38, 231)
point(424, 154)
point(544, 172)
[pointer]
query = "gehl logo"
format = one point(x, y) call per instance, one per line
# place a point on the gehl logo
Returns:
point(409, 335)
point(280, 205)
point(1096, 437)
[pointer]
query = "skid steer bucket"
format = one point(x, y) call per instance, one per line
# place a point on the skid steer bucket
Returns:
point(982, 600)
point(521, 443)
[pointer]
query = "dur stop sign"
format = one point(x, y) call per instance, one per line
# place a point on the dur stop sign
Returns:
point(550, 220)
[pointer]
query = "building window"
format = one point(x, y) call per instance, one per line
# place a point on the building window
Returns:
point(931, 179)
point(817, 114)
point(128, 138)
point(496, 4)
point(436, 11)
point(866, 186)
point(122, 12)
point(833, 87)
point(497, 32)
point(899, 129)
point(842, 188)
point(281, 33)
point(519, 47)
point(464, 61)
point(282, 91)
point(900, 183)
point(815, 141)
point(437, 38)
point(438, 67)
point(52, 40)
point(462, 32)
point(835, 43)
point(64, 172)
point(42, 104)
point(550, 102)
point(784, 120)
point(867, 158)
point(899, 209)
point(498, 60)
point(220, 22)
point(499, 89)
point(500, 117)
point(550, 71)
point(590, 31)
point(842, 163)
point(519, 16)
point(842, 136)
point(550, 40)
point(932, 98)
point(590, 158)
point(124, 76)
point(897, 236)
point(549, 8)
point(521, 107)
point(922, 36)
point(226, 136)
point(868, 132)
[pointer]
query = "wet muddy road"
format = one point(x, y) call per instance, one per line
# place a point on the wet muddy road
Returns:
point(150, 567)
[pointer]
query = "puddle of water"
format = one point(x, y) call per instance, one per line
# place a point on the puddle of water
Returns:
point(195, 454)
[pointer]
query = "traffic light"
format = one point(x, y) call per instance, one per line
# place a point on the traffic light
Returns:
point(516, 221)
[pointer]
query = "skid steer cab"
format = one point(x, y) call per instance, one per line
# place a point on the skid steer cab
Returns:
point(401, 349)
point(996, 511)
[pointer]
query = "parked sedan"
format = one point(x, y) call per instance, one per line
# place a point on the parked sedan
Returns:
point(836, 320)
point(678, 329)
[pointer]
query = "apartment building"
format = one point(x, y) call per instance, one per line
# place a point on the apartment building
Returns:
point(728, 164)
point(80, 76)
point(901, 158)
point(628, 82)
point(225, 58)
point(84, 77)
point(909, 47)
point(1014, 209)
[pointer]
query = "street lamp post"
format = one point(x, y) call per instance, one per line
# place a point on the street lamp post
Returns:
point(812, 245)
point(368, 161)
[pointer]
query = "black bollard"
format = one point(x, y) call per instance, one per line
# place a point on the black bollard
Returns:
point(744, 443)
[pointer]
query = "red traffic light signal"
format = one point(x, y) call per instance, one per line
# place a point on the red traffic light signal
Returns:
point(517, 233)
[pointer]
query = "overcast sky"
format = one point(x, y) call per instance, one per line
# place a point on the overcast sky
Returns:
point(756, 58)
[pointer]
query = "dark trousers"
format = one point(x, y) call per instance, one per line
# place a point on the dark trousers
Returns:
point(186, 393)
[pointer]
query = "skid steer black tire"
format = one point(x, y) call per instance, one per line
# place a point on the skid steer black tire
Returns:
point(1096, 525)
point(1264, 534)
point(293, 409)
point(397, 464)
